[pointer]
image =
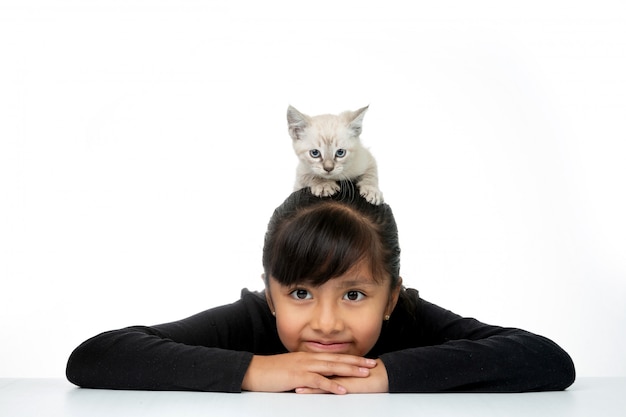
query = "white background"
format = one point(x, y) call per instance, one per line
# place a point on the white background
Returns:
point(143, 148)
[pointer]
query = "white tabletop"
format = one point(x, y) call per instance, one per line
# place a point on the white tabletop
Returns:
point(604, 397)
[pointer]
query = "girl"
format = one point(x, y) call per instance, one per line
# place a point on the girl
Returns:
point(334, 317)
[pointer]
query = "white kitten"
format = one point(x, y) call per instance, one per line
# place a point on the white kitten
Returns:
point(330, 150)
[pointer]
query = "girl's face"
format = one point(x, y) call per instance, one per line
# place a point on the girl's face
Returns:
point(343, 315)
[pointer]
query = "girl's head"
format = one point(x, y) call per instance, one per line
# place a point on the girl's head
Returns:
point(311, 239)
point(331, 271)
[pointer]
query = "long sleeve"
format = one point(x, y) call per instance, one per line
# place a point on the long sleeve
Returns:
point(209, 351)
point(439, 351)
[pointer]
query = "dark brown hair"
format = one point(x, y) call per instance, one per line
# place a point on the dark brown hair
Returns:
point(312, 239)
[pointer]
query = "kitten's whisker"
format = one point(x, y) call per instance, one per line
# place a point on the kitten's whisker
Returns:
point(348, 190)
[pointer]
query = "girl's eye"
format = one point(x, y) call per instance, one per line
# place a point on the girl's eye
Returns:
point(340, 153)
point(301, 294)
point(315, 153)
point(354, 296)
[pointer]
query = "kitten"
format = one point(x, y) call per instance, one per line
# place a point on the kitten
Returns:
point(329, 149)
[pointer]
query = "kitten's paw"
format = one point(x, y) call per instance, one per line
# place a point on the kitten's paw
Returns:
point(325, 189)
point(371, 194)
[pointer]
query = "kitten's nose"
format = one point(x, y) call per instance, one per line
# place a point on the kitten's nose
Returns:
point(328, 167)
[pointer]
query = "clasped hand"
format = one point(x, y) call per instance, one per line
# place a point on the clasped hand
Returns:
point(308, 373)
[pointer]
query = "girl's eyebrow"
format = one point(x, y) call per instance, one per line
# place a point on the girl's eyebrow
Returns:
point(358, 282)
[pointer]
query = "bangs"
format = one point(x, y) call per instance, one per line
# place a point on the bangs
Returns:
point(323, 242)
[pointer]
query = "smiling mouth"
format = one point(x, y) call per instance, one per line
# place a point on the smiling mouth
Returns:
point(318, 346)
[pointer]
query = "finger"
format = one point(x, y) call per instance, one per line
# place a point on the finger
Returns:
point(349, 360)
point(324, 384)
point(310, 391)
point(329, 368)
point(341, 365)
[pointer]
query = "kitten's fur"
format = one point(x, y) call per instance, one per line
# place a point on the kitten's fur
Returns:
point(329, 149)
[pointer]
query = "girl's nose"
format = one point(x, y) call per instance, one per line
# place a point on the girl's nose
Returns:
point(326, 319)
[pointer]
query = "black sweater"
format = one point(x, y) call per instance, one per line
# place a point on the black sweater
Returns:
point(425, 348)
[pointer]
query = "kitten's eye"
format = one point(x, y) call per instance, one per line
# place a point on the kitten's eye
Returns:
point(354, 296)
point(340, 153)
point(300, 294)
point(315, 153)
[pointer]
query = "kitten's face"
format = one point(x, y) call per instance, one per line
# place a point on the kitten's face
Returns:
point(325, 143)
point(325, 146)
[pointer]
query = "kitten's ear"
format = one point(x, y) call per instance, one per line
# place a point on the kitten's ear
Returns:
point(296, 121)
point(355, 120)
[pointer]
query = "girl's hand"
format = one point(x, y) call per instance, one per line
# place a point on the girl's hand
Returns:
point(377, 381)
point(303, 370)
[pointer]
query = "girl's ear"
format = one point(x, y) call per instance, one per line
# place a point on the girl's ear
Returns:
point(393, 297)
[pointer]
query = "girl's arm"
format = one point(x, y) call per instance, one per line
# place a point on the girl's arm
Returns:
point(207, 352)
point(141, 358)
point(466, 355)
